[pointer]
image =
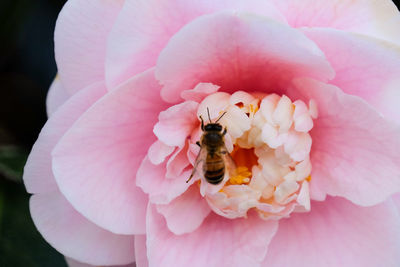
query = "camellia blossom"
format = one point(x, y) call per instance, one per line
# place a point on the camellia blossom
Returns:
point(307, 91)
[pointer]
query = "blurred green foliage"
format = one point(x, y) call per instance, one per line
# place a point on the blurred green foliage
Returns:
point(12, 161)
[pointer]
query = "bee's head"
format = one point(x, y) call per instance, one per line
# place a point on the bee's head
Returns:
point(211, 127)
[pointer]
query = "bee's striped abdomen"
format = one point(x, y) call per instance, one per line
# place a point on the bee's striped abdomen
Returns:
point(214, 169)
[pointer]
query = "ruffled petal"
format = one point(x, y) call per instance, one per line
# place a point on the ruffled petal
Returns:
point(76, 237)
point(355, 151)
point(379, 19)
point(153, 181)
point(237, 51)
point(96, 161)
point(38, 175)
point(364, 66)
point(338, 233)
point(159, 151)
point(176, 123)
point(80, 40)
point(217, 242)
point(199, 92)
point(176, 213)
point(144, 27)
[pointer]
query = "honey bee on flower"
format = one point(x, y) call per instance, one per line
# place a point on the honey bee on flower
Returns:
point(213, 156)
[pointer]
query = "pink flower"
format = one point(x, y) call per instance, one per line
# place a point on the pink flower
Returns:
point(310, 91)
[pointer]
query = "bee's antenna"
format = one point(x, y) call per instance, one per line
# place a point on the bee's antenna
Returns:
point(208, 112)
point(220, 117)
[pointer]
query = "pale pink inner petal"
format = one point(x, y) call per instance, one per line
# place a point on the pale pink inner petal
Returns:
point(176, 123)
point(80, 40)
point(152, 180)
point(237, 52)
point(158, 151)
point(76, 237)
point(96, 161)
point(355, 150)
point(217, 242)
point(186, 212)
point(199, 92)
point(338, 233)
point(144, 27)
point(177, 162)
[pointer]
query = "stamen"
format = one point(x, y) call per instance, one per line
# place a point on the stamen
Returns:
point(244, 157)
point(242, 176)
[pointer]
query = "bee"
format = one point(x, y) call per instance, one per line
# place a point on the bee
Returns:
point(213, 155)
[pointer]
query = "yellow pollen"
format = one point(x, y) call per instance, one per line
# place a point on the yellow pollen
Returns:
point(308, 178)
point(242, 176)
point(253, 109)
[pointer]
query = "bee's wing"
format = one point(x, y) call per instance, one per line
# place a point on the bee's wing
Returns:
point(198, 164)
point(230, 164)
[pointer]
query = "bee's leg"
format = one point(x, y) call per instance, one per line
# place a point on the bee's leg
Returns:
point(198, 143)
point(224, 132)
point(202, 123)
point(194, 170)
point(191, 176)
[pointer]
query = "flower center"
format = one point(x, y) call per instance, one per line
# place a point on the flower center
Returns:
point(245, 159)
point(268, 139)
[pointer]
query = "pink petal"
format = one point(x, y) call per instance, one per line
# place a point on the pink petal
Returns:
point(176, 123)
point(74, 263)
point(76, 237)
point(214, 103)
point(177, 212)
point(38, 175)
point(177, 162)
point(80, 41)
point(152, 180)
point(199, 92)
point(396, 201)
point(355, 151)
point(218, 242)
point(337, 233)
point(96, 161)
point(144, 27)
point(379, 19)
point(243, 52)
point(56, 96)
point(364, 66)
point(159, 151)
point(141, 251)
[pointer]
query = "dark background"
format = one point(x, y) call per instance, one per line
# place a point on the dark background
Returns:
point(27, 69)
